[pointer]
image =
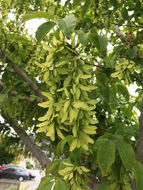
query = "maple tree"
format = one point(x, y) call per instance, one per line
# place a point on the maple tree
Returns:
point(69, 87)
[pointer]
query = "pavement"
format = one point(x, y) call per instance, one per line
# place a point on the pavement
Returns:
point(32, 184)
point(28, 184)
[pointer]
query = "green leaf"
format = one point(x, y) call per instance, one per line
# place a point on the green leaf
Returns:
point(71, 115)
point(102, 78)
point(73, 145)
point(82, 105)
point(103, 187)
point(103, 42)
point(113, 97)
point(93, 36)
point(48, 95)
point(77, 93)
point(43, 30)
point(64, 117)
point(138, 170)
point(140, 54)
point(3, 97)
point(46, 183)
point(99, 41)
point(85, 76)
point(86, 7)
point(67, 24)
point(105, 155)
point(109, 62)
point(67, 81)
point(61, 185)
point(54, 167)
point(125, 13)
point(44, 104)
point(60, 64)
point(60, 146)
point(127, 154)
point(92, 101)
point(132, 52)
point(66, 105)
point(76, 3)
point(51, 132)
point(83, 37)
point(93, 121)
point(37, 15)
point(123, 90)
point(105, 91)
point(99, 141)
point(87, 88)
point(41, 129)
point(116, 168)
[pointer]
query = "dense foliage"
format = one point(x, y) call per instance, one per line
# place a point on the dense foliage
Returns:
point(83, 59)
point(5, 156)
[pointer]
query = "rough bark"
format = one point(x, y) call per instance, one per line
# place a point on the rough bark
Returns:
point(139, 151)
point(33, 148)
point(133, 183)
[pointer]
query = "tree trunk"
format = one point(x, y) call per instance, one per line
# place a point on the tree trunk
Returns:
point(33, 148)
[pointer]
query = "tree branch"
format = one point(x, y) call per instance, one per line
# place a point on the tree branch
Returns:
point(120, 34)
point(126, 25)
point(74, 51)
point(15, 93)
point(139, 151)
point(2, 85)
point(33, 148)
point(137, 78)
point(23, 75)
point(2, 125)
point(133, 183)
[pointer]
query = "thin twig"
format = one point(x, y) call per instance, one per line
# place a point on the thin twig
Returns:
point(132, 26)
point(74, 51)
